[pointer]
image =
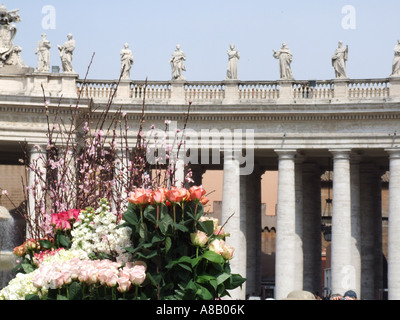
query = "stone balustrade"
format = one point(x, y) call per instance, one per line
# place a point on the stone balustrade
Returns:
point(211, 92)
point(202, 92)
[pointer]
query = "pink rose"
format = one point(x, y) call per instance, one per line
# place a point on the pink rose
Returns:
point(137, 274)
point(217, 246)
point(227, 253)
point(199, 238)
point(124, 284)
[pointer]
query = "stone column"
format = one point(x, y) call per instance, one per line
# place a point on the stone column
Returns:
point(356, 241)
point(253, 231)
point(299, 226)
point(312, 245)
point(37, 179)
point(394, 225)
point(341, 268)
point(285, 260)
point(236, 226)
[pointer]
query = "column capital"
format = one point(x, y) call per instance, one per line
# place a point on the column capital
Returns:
point(394, 153)
point(340, 153)
point(286, 153)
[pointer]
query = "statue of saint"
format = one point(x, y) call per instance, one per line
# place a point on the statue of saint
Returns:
point(285, 59)
point(177, 63)
point(233, 56)
point(43, 52)
point(8, 52)
point(127, 61)
point(339, 60)
point(66, 54)
point(396, 60)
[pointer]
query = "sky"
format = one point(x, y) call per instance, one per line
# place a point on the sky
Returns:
point(205, 29)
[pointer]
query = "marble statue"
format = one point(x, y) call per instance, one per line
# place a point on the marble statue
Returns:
point(43, 52)
point(127, 61)
point(66, 54)
point(177, 63)
point(233, 56)
point(339, 60)
point(285, 59)
point(8, 52)
point(396, 60)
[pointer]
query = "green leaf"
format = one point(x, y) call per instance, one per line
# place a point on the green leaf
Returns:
point(222, 277)
point(32, 297)
point(165, 222)
point(183, 259)
point(157, 238)
point(213, 257)
point(180, 226)
point(203, 293)
point(27, 267)
point(143, 231)
point(75, 291)
point(236, 280)
point(207, 227)
point(61, 297)
point(64, 241)
point(46, 244)
point(168, 244)
point(130, 215)
point(150, 213)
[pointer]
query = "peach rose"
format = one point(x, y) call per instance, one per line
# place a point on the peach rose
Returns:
point(140, 196)
point(196, 193)
point(159, 196)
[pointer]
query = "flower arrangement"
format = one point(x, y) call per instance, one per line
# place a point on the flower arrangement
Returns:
point(163, 247)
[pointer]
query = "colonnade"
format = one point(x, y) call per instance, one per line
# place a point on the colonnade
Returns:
point(356, 245)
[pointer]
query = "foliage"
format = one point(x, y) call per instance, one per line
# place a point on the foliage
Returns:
point(180, 266)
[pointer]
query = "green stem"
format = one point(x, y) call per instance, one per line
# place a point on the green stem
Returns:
point(136, 292)
point(158, 215)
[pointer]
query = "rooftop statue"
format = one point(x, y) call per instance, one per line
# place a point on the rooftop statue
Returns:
point(177, 63)
point(233, 56)
point(43, 52)
point(127, 61)
point(66, 54)
point(396, 61)
point(285, 59)
point(339, 60)
point(8, 52)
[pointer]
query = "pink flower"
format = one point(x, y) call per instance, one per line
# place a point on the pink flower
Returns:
point(138, 274)
point(199, 238)
point(217, 246)
point(124, 284)
point(227, 254)
point(56, 280)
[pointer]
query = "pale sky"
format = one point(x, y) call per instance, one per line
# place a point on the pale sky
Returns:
point(206, 28)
